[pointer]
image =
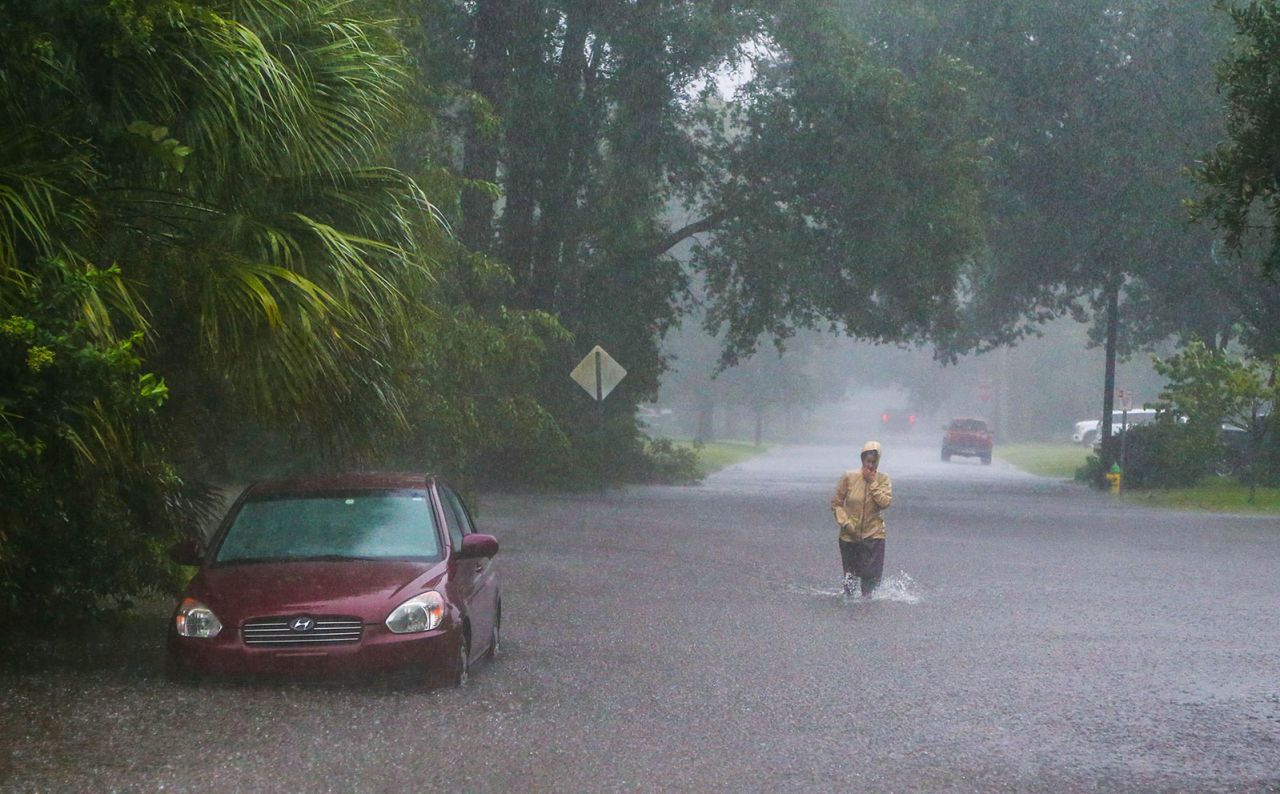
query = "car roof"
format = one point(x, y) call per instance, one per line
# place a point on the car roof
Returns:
point(331, 483)
point(968, 419)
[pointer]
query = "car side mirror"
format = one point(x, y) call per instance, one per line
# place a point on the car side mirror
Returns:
point(187, 552)
point(477, 545)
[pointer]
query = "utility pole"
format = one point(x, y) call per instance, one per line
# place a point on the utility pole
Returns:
point(1109, 380)
point(1004, 394)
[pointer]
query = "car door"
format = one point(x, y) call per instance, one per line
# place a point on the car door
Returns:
point(476, 573)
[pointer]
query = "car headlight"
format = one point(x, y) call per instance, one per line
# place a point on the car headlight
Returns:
point(420, 613)
point(196, 620)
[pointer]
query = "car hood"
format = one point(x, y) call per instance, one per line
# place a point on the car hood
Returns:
point(365, 589)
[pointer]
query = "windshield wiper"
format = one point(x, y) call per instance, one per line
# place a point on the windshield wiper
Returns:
point(305, 558)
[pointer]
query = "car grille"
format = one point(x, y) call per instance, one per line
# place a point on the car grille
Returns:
point(327, 631)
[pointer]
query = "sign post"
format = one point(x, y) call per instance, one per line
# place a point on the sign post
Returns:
point(1125, 398)
point(598, 374)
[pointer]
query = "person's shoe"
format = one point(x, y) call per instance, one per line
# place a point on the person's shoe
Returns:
point(848, 585)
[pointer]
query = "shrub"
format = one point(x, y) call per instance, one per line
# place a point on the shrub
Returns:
point(1265, 468)
point(1164, 454)
point(672, 464)
point(90, 503)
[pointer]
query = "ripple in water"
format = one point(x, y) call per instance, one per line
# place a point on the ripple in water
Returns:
point(900, 588)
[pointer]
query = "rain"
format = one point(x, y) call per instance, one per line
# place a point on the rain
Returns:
point(639, 395)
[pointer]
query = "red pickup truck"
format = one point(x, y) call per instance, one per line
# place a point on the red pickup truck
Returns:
point(967, 437)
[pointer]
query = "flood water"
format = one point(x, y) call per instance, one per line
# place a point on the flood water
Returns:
point(1029, 634)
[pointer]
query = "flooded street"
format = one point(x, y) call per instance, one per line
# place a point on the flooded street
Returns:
point(1031, 634)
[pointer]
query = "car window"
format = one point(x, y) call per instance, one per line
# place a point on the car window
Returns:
point(467, 526)
point(453, 515)
point(356, 525)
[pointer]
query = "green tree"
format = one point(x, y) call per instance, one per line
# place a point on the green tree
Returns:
point(1094, 110)
point(1241, 196)
point(848, 191)
point(596, 116)
point(229, 164)
point(90, 502)
point(1238, 195)
point(1208, 387)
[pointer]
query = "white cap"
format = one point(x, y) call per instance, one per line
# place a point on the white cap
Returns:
point(872, 446)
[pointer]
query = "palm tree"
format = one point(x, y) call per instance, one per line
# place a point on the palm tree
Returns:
point(211, 177)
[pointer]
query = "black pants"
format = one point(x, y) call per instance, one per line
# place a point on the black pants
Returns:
point(865, 560)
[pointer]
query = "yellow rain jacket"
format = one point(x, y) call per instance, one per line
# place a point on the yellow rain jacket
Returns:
point(857, 505)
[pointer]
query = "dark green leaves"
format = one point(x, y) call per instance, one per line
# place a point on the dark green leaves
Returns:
point(852, 193)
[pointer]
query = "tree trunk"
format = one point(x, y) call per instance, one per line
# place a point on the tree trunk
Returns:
point(523, 140)
point(557, 183)
point(492, 32)
point(1257, 436)
point(706, 432)
point(1002, 397)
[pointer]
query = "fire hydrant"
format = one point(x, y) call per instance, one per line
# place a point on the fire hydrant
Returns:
point(1113, 477)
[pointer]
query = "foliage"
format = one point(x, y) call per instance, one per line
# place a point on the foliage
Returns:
point(579, 112)
point(1264, 466)
point(299, 297)
point(849, 191)
point(1210, 388)
point(1163, 454)
point(90, 502)
point(1239, 177)
point(600, 123)
point(672, 463)
point(281, 219)
point(1238, 192)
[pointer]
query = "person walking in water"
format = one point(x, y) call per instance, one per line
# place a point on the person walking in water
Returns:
point(861, 495)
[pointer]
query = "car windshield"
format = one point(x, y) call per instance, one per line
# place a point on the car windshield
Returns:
point(968, 424)
point(363, 525)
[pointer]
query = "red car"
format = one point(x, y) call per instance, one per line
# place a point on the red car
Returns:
point(967, 436)
point(897, 420)
point(330, 576)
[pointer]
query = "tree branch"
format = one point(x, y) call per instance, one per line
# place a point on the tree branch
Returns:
point(697, 227)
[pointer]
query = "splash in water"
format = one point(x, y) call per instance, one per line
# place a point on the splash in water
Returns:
point(900, 587)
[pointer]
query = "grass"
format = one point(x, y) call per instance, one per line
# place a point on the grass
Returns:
point(1047, 459)
point(1216, 494)
point(716, 455)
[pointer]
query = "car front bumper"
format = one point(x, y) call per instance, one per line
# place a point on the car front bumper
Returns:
point(379, 651)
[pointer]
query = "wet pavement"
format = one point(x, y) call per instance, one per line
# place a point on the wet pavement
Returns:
point(1031, 635)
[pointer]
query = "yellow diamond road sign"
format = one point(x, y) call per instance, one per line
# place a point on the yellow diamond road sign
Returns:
point(598, 373)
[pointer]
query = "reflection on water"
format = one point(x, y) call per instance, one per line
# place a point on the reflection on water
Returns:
point(900, 588)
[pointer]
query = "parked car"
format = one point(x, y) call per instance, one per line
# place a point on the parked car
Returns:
point(1085, 431)
point(1120, 423)
point(1088, 431)
point(897, 420)
point(331, 576)
point(967, 437)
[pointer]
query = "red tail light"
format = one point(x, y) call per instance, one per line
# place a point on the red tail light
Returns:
point(884, 418)
point(911, 420)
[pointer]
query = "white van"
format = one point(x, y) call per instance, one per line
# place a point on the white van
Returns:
point(1087, 431)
